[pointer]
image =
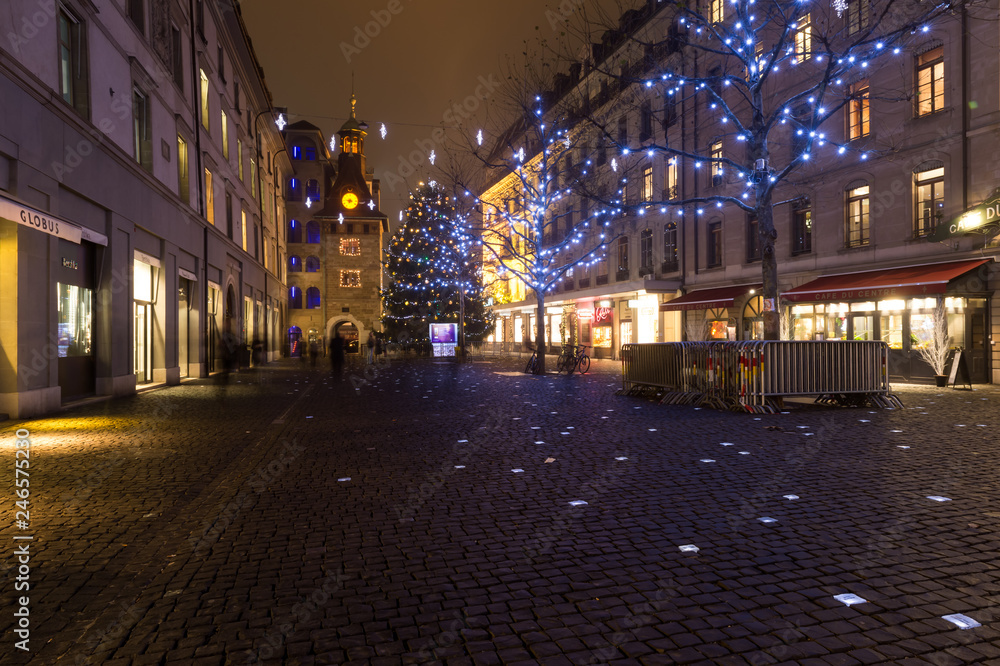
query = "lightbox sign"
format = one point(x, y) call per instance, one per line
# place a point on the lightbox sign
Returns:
point(603, 316)
point(982, 219)
point(444, 333)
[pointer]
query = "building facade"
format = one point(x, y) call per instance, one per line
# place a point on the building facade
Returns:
point(867, 247)
point(141, 213)
point(336, 233)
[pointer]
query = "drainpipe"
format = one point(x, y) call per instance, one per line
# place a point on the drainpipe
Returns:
point(199, 176)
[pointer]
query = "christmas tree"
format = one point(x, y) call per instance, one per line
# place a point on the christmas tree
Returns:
point(430, 264)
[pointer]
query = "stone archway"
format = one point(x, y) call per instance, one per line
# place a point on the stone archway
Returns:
point(344, 320)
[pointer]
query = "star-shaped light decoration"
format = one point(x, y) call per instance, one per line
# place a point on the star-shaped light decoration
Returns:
point(371, 204)
point(432, 157)
point(309, 202)
point(281, 122)
point(614, 165)
point(383, 131)
point(479, 137)
point(333, 144)
point(340, 218)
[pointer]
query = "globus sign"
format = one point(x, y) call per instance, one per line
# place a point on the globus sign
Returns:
point(603, 316)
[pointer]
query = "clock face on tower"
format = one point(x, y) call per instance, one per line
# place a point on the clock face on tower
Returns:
point(350, 201)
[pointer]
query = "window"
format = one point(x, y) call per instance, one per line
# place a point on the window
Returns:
point(222, 64)
point(294, 264)
point(623, 255)
point(253, 178)
point(753, 239)
point(858, 119)
point(669, 112)
point(714, 230)
point(717, 168)
point(142, 138)
point(183, 183)
point(205, 122)
point(646, 121)
point(239, 158)
point(229, 215)
point(646, 250)
point(622, 132)
point(670, 179)
point(647, 184)
point(311, 154)
point(294, 298)
point(312, 264)
point(857, 215)
point(73, 73)
point(715, 11)
point(857, 16)
point(209, 198)
point(177, 56)
point(136, 13)
point(350, 247)
point(350, 278)
point(312, 298)
point(256, 241)
point(803, 39)
point(802, 227)
point(312, 190)
point(225, 135)
point(294, 231)
point(296, 152)
point(312, 232)
point(243, 228)
point(928, 188)
point(930, 81)
point(669, 247)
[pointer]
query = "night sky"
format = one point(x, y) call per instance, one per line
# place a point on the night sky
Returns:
point(429, 55)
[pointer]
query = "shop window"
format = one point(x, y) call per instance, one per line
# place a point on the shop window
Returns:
point(294, 231)
point(669, 247)
point(312, 264)
point(312, 298)
point(928, 191)
point(75, 321)
point(930, 81)
point(294, 298)
point(294, 264)
point(857, 227)
point(802, 227)
point(312, 232)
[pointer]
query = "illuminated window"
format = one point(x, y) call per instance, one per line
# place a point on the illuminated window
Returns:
point(802, 228)
point(857, 16)
point(803, 39)
point(225, 135)
point(930, 81)
point(294, 298)
point(183, 184)
point(312, 232)
point(243, 227)
point(716, 11)
point(312, 298)
point(647, 184)
point(239, 157)
point(294, 231)
point(312, 189)
point(296, 152)
point(717, 168)
point(209, 198)
point(670, 179)
point(928, 190)
point(857, 230)
point(205, 122)
point(350, 247)
point(858, 118)
point(350, 278)
point(294, 264)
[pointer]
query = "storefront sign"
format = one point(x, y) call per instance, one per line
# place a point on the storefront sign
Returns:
point(981, 219)
point(39, 221)
point(603, 316)
point(586, 313)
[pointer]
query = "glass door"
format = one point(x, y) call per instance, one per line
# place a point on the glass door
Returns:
point(142, 349)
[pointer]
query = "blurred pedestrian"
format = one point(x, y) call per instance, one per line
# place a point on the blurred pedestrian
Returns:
point(337, 354)
point(313, 352)
point(371, 347)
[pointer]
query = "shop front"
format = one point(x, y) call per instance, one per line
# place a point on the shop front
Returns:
point(602, 331)
point(720, 313)
point(900, 306)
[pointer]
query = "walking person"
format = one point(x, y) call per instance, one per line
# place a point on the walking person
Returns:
point(313, 352)
point(379, 346)
point(337, 354)
point(371, 347)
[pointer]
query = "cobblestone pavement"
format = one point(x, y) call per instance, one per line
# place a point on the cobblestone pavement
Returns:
point(469, 514)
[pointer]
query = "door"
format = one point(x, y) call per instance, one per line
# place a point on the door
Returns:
point(143, 353)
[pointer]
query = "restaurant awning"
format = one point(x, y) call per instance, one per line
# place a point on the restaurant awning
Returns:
point(921, 280)
point(708, 299)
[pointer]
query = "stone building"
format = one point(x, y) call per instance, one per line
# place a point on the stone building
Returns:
point(141, 215)
point(335, 238)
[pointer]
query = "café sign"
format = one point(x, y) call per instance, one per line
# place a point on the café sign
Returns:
point(982, 219)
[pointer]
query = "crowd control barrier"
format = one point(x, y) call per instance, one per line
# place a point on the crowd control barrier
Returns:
point(755, 375)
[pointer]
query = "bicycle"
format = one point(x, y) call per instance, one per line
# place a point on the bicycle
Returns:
point(532, 363)
point(574, 357)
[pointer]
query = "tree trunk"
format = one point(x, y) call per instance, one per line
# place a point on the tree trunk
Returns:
point(540, 333)
point(768, 267)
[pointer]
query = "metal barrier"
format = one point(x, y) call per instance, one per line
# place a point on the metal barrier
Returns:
point(755, 375)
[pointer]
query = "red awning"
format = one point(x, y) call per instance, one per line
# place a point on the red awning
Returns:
point(886, 283)
point(708, 299)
